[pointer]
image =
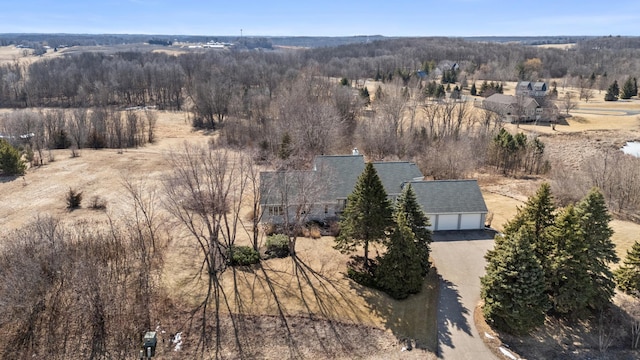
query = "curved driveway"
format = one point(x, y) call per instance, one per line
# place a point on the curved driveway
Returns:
point(459, 258)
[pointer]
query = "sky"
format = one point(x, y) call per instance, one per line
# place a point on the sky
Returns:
point(324, 17)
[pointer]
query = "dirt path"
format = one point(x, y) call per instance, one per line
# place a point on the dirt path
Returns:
point(459, 258)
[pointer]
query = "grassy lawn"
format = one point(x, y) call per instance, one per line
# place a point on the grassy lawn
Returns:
point(313, 285)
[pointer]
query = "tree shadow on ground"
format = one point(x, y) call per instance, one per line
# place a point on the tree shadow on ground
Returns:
point(302, 295)
point(10, 178)
point(451, 313)
point(412, 320)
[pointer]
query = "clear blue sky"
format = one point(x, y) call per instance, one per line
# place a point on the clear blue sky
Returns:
point(324, 17)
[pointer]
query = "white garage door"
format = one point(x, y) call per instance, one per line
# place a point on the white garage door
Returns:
point(447, 222)
point(470, 221)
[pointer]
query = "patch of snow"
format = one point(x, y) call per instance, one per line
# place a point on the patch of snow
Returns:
point(632, 148)
point(507, 353)
point(488, 336)
point(177, 339)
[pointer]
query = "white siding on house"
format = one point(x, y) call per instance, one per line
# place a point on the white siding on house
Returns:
point(470, 221)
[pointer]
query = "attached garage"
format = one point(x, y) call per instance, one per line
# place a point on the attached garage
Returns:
point(452, 204)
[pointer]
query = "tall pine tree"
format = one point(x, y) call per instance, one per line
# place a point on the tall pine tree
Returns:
point(600, 250)
point(513, 288)
point(628, 90)
point(628, 275)
point(537, 216)
point(367, 216)
point(612, 92)
point(399, 272)
point(418, 222)
point(568, 277)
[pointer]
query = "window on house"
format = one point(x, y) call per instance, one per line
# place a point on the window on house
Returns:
point(275, 210)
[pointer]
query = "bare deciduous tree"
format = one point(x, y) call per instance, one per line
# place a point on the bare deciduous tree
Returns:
point(568, 102)
point(204, 194)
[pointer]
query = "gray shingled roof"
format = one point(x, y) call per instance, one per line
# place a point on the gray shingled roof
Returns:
point(340, 172)
point(299, 187)
point(449, 196)
point(507, 100)
point(394, 174)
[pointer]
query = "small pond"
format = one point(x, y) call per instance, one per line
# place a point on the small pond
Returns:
point(632, 148)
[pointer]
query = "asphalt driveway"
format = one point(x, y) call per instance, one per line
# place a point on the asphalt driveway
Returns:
point(459, 258)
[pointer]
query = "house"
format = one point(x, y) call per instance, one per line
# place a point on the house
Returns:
point(532, 89)
point(321, 194)
point(512, 108)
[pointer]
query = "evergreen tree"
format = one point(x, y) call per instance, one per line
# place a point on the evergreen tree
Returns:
point(11, 162)
point(484, 87)
point(612, 92)
point(399, 272)
point(379, 93)
point(430, 89)
point(367, 216)
point(455, 93)
point(600, 250)
point(568, 275)
point(628, 90)
point(364, 94)
point(418, 222)
point(285, 150)
point(440, 93)
point(635, 86)
point(538, 211)
point(473, 90)
point(628, 275)
point(513, 287)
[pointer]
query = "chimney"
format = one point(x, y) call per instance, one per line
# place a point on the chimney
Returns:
point(355, 151)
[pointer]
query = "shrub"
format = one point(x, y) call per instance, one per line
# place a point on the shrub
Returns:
point(269, 229)
point(334, 228)
point(74, 198)
point(314, 232)
point(98, 203)
point(243, 255)
point(11, 160)
point(278, 245)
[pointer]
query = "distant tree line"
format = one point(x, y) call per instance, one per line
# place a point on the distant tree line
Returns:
point(36, 132)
